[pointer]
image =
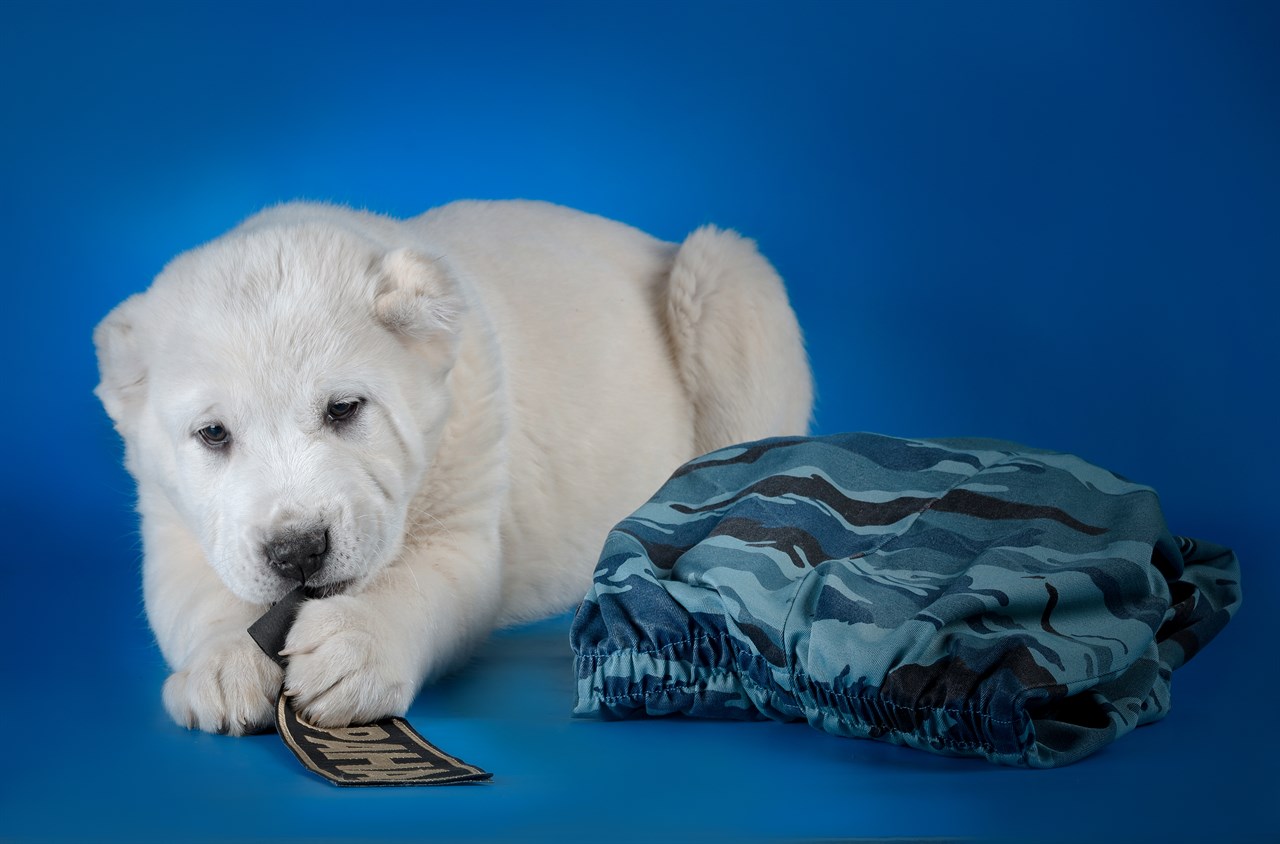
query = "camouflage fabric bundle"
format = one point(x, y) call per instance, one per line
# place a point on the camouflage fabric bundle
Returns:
point(967, 597)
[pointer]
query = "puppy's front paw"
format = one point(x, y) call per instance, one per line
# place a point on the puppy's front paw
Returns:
point(344, 665)
point(229, 686)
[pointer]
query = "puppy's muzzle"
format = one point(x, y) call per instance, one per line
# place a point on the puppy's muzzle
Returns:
point(298, 553)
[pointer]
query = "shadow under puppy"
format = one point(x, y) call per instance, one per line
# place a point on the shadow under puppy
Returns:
point(437, 420)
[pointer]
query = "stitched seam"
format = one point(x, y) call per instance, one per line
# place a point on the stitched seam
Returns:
point(870, 728)
point(919, 708)
point(701, 685)
point(786, 623)
point(984, 746)
point(697, 685)
point(597, 656)
point(772, 693)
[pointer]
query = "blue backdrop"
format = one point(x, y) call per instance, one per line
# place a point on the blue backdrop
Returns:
point(1049, 222)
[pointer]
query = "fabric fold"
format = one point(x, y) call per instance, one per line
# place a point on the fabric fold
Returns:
point(961, 596)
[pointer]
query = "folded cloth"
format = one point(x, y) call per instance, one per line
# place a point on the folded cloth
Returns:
point(961, 596)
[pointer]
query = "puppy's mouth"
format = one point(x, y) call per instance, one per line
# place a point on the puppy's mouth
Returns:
point(328, 590)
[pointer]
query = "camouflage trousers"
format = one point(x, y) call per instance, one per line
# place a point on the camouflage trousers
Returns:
point(961, 596)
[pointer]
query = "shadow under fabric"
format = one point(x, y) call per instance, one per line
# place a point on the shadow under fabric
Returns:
point(961, 596)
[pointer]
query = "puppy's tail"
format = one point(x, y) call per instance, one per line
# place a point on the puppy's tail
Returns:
point(737, 344)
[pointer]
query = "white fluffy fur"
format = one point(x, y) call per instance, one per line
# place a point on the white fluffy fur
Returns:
point(528, 375)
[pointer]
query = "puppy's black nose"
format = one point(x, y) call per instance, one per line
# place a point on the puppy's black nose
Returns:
point(297, 552)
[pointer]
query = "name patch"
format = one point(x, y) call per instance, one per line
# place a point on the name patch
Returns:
point(386, 752)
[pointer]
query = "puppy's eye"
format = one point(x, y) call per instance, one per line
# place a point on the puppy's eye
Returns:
point(340, 411)
point(214, 435)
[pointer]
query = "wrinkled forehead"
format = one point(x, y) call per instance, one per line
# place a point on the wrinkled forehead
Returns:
point(269, 318)
point(271, 361)
point(276, 274)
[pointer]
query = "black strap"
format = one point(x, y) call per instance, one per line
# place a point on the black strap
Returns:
point(272, 630)
point(386, 752)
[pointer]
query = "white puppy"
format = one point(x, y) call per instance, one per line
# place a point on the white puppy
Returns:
point(435, 420)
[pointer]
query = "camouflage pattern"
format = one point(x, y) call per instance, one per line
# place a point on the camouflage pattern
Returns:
point(961, 596)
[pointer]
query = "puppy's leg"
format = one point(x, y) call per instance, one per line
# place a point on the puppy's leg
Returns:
point(357, 658)
point(221, 680)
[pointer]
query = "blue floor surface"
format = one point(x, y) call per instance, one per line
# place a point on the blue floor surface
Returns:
point(101, 761)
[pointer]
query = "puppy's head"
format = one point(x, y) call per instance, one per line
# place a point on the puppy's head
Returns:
point(283, 389)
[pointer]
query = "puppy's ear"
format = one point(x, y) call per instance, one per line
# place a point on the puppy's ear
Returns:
point(418, 297)
point(121, 369)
